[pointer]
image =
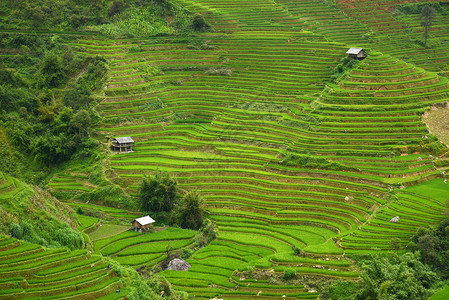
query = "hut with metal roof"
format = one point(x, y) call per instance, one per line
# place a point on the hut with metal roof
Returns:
point(123, 144)
point(356, 53)
point(142, 224)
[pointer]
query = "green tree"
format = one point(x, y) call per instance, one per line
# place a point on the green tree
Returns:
point(158, 193)
point(427, 244)
point(189, 212)
point(396, 277)
point(199, 23)
point(427, 16)
point(395, 244)
point(52, 72)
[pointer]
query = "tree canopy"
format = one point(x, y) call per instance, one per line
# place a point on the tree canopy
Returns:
point(189, 212)
point(158, 193)
point(427, 16)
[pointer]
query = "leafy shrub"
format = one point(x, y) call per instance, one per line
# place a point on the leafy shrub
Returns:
point(186, 253)
point(158, 193)
point(307, 161)
point(69, 238)
point(289, 274)
point(16, 231)
point(343, 68)
point(189, 211)
point(199, 23)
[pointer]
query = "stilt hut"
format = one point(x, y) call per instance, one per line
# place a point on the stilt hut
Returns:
point(356, 53)
point(123, 144)
point(142, 224)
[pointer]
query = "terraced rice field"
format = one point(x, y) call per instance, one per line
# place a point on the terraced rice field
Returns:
point(221, 111)
point(30, 271)
point(136, 249)
point(9, 187)
point(249, 115)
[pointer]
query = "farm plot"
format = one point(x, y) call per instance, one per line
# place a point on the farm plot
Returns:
point(285, 156)
point(136, 249)
point(70, 184)
point(226, 125)
point(30, 271)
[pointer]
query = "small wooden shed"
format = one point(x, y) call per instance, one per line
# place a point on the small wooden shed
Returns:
point(356, 53)
point(123, 144)
point(142, 224)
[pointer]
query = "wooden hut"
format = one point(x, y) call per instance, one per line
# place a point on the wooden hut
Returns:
point(123, 144)
point(142, 224)
point(356, 53)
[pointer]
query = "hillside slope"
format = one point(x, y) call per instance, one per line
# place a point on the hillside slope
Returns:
point(295, 149)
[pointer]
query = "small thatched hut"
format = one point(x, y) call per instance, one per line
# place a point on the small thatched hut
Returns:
point(142, 224)
point(123, 144)
point(356, 53)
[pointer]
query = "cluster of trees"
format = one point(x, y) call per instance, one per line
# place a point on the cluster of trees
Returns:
point(114, 17)
point(389, 276)
point(45, 96)
point(415, 274)
point(433, 244)
point(59, 14)
point(160, 194)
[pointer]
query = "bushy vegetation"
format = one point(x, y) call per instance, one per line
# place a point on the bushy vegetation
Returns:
point(343, 68)
point(44, 117)
point(116, 18)
point(34, 233)
point(153, 286)
point(35, 216)
point(308, 161)
point(158, 193)
point(389, 276)
point(433, 244)
point(145, 18)
point(189, 211)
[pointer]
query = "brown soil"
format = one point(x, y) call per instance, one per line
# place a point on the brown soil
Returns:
point(437, 121)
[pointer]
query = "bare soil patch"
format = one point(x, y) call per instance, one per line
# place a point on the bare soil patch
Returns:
point(437, 121)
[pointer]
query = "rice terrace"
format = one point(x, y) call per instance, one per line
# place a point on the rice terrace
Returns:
point(223, 149)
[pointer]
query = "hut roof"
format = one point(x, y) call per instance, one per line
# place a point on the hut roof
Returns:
point(123, 140)
point(144, 220)
point(354, 51)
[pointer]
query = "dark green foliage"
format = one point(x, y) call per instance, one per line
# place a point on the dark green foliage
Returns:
point(31, 97)
point(199, 23)
point(51, 72)
point(343, 68)
point(158, 193)
point(343, 290)
point(307, 161)
point(206, 234)
point(16, 231)
point(155, 284)
point(434, 246)
point(49, 14)
point(297, 251)
point(427, 16)
point(396, 277)
point(289, 274)
point(189, 212)
point(395, 244)
point(186, 253)
point(387, 276)
point(417, 8)
point(141, 291)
